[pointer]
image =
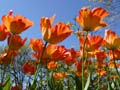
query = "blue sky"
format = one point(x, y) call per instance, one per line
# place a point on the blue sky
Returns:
point(65, 10)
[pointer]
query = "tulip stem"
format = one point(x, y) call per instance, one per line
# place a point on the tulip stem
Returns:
point(118, 74)
point(39, 64)
point(68, 79)
point(83, 59)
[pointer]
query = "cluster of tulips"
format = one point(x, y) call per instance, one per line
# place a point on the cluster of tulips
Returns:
point(94, 66)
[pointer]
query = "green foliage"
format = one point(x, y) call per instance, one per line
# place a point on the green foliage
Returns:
point(7, 85)
point(78, 83)
point(87, 83)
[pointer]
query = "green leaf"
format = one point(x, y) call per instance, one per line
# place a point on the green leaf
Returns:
point(87, 83)
point(0, 87)
point(7, 84)
point(33, 86)
point(59, 86)
point(109, 88)
point(78, 83)
point(51, 82)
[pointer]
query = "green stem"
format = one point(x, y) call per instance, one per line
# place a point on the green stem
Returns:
point(108, 74)
point(84, 46)
point(68, 83)
point(99, 81)
point(68, 79)
point(41, 75)
point(39, 64)
point(118, 74)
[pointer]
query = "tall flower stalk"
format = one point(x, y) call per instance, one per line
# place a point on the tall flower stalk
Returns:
point(118, 74)
point(84, 59)
point(38, 68)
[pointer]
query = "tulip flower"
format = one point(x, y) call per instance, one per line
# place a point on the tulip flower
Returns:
point(15, 42)
point(16, 24)
point(91, 20)
point(70, 56)
point(78, 67)
point(111, 40)
point(60, 75)
point(101, 72)
point(29, 69)
point(51, 52)
point(92, 42)
point(54, 52)
point(55, 34)
point(116, 54)
point(52, 65)
point(3, 32)
point(8, 57)
point(99, 55)
point(36, 44)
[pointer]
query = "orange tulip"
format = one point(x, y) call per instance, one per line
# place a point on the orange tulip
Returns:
point(116, 54)
point(3, 32)
point(29, 69)
point(37, 56)
point(58, 53)
point(113, 77)
point(46, 23)
point(78, 67)
point(16, 24)
point(7, 57)
point(70, 56)
point(52, 65)
point(118, 65)
point(15, 42)
point(54, 52)
point(101, 72)
point(100, 55)
point(111, 40)
point(100, 64)
point(36, 44)
point(92, 43)
point(59, 75)
point(111, 65)
point(51, 52)
point(56, 33)
point(92, 20)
